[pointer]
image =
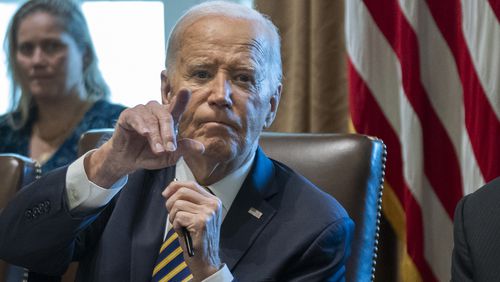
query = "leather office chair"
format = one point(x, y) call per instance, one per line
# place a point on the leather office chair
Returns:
point(93, 139)
point(348, 166)
point(15, 172)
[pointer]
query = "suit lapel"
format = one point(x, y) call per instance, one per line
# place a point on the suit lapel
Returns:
point(151, 215)
point(241, 227)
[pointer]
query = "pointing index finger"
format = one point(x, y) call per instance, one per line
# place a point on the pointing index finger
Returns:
point(179, 104)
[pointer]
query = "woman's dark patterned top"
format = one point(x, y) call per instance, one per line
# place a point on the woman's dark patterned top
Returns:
point(101, 115)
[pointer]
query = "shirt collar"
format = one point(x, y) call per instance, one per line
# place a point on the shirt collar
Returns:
point(225, 189)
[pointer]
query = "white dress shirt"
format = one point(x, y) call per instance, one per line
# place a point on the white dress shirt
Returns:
point(85, 196)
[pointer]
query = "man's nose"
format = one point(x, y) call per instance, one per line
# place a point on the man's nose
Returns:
point(221, 91)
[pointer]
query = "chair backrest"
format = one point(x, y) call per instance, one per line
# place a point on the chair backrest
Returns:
point(91, 139)
point(15, 172)
point(348, 166)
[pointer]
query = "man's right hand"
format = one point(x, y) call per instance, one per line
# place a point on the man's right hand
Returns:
point(145, 137)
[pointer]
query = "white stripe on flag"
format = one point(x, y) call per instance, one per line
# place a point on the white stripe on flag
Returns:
point(482, 36)
point(438, 238)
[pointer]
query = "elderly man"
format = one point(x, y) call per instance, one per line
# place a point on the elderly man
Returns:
point(181, 190)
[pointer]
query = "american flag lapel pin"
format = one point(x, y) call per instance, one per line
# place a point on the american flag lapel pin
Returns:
point(255, 212)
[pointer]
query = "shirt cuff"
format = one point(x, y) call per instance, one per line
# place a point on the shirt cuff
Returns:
point(223, 275)
point(84, 195)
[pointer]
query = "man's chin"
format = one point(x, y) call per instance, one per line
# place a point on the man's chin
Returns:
point(218, 147)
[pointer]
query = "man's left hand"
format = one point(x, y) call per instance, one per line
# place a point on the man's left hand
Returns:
point(192, 207)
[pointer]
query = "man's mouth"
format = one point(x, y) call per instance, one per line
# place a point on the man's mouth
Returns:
point(218, 123)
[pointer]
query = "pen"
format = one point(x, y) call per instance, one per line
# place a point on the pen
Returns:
point(187, 238)
point(188, 241)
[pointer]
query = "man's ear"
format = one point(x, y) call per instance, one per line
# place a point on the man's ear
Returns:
point(274, 101)
point(166, 95)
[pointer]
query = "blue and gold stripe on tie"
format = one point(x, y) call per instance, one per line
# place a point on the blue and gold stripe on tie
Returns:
point(170, 264)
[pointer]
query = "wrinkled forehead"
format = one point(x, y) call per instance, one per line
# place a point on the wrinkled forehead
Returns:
point(223, 24)
point(229, 33)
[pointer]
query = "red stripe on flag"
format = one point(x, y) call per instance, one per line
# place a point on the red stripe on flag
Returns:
point(368, 118)
point(495, 6)
point(441, 164)
point(480, 119)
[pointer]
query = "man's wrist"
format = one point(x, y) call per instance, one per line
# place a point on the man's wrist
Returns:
point(205, 273)
point(202, 269)
point(83, 195)
point(103, 169)
point(222, 275)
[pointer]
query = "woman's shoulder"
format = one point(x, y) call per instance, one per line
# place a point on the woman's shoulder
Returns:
point(11, 140)
point(4, 122)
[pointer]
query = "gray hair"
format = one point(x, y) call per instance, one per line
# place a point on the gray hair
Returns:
point(73, 22)
point(231, 10)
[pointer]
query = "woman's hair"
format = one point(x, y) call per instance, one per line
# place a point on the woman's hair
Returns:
point(73, 22)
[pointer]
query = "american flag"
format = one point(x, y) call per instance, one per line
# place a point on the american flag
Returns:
point(424, 76)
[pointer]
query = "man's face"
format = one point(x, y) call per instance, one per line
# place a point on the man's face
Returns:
point(222, 62)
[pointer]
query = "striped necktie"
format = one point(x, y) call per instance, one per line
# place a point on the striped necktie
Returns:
point(170, 264)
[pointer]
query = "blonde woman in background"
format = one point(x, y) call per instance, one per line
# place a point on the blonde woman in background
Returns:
point(58, 91)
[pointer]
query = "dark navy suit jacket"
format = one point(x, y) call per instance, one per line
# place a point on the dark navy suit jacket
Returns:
point(302, 235)
point(476, 252)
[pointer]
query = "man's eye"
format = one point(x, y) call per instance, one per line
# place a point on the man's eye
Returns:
point(26, 49)
point(201, 74)
point(244, 78)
